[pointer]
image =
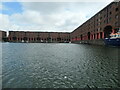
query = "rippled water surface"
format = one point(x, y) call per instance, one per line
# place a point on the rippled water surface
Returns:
point(39, 65)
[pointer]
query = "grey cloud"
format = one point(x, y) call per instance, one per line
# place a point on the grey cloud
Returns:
point(43, 7)
point(52, 16)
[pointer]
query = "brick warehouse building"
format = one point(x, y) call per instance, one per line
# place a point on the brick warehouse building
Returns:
point(92, 31)
point(3, 36)
point(99, 26)
point(21, 36)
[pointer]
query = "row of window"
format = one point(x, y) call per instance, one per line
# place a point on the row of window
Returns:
point(99, 29)
point(99, 23)
point(39, 39)
point(93, 36)
point(34, 35)
point(105, 10)
point(37, 33)
point(116, 17)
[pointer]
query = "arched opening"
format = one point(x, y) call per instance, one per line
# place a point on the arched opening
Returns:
point(88, 34)
point(107, 31)
point(94, 36)
point(25, 38)
point(81, 37)
point(97, 35)
point(34, 39)
point(58, 39)
point(10, 39)
point(75, 38)
point(14, 38)
point(101, 35)
point(48, 39)
point(38, 38)
point(4, 39)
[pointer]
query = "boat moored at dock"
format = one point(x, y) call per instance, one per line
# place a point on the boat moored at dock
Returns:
point(114, 39)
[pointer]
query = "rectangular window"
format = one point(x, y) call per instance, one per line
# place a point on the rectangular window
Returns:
point(116, 9)
point(110, 13)
point(104, 21)
point(116, 16)
point(104, 16)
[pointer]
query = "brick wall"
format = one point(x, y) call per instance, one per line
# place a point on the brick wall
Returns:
point(3, 35)
point(94, 27)
point(20, 36)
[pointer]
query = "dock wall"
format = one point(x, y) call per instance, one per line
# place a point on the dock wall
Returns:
point(92, 42)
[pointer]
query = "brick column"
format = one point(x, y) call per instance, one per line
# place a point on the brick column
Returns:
point(99, 35)
point(102, 35)
point(91, 37)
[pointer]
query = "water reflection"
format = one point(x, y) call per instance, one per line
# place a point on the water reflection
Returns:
point(34, 65)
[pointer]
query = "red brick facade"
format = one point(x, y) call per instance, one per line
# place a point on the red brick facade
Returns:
point(21, 36)
point(98, 27)
point(3, 35)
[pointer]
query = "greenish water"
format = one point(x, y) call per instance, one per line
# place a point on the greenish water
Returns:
point(39, 65)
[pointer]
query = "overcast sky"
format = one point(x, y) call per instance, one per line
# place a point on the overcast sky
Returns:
point(46, 16)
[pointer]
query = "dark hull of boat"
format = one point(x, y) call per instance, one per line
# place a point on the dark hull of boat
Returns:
point(112, 42)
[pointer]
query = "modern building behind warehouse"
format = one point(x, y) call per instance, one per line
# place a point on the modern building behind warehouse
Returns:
point(93, 30)
point(100, 25)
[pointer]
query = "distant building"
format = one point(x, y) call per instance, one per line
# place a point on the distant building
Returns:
point(22, 36)
point(3, 36)
point(100, 25)
point(95, 29)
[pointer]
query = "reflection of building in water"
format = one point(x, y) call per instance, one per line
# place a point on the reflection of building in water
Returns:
point(3, 35)
point(21, 36)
